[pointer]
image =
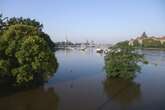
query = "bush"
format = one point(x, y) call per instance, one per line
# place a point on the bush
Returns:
point(151, 43)
point(122, 61)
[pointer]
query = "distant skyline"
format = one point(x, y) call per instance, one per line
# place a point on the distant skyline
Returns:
point(104, 21)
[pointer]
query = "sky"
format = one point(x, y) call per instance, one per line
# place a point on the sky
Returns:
point(103, 21)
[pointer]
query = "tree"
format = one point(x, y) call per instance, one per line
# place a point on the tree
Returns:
point(151, 43)
point(136, 44)
point(25, 55)
point(122, 61)
point(2, 23)
point(163, 45)
point(33, 23)
point(25, 21)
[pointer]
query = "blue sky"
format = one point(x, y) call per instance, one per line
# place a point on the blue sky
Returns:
point(104, 21)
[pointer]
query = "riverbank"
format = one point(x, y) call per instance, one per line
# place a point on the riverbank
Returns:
point(161, 49)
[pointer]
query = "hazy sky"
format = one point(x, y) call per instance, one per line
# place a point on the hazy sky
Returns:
point(106, 21)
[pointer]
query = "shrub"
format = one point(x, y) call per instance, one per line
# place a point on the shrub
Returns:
point(122, 61)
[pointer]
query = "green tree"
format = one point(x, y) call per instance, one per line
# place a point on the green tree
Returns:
point(33, 23)
point(25, 21)
point(2, 23)
point(25, 55)
point(163, 45)
point(122, 61)
point(151, 43)
point(136, 44)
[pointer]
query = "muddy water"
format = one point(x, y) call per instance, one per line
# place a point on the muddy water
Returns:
point(80, 83)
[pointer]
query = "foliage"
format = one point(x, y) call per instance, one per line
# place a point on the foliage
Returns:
point(163, 45)
point(26, 56)
point(2, 23)
point(25, 21)
point(151, 43)
point(136, 44)
point(122, 61)
point(28, 22)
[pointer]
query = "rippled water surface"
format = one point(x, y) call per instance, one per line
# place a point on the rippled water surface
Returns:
point(80, 83)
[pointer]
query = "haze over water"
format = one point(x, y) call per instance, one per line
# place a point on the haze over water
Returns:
point(104, 21)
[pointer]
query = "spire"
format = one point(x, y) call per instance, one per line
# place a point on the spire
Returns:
point(66, 38)
point(144, 35)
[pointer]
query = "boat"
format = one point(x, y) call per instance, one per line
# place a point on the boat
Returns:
point(82, 49)
point(99, 50)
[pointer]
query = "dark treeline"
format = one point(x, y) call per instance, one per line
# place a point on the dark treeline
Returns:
point(149, 42)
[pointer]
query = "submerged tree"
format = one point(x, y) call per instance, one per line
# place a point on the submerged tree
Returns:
point(122, 61)
point(25, 54)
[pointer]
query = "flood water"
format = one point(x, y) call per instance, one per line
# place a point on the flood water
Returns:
point(80, 83)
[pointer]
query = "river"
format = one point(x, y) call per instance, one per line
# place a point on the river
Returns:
point(80, 83)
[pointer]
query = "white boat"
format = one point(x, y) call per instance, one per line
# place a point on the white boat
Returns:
point(83, 47)
point(99, 50)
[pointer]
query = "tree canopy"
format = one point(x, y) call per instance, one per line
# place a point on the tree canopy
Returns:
point(151, 43)
point(29, 22)
point(122, 61)
point(25, 21)
point(26, 55)
point(2, 23)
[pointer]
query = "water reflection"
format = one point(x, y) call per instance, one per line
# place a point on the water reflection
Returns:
point(34, 99)
point(122, 92)
point(80, 82)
